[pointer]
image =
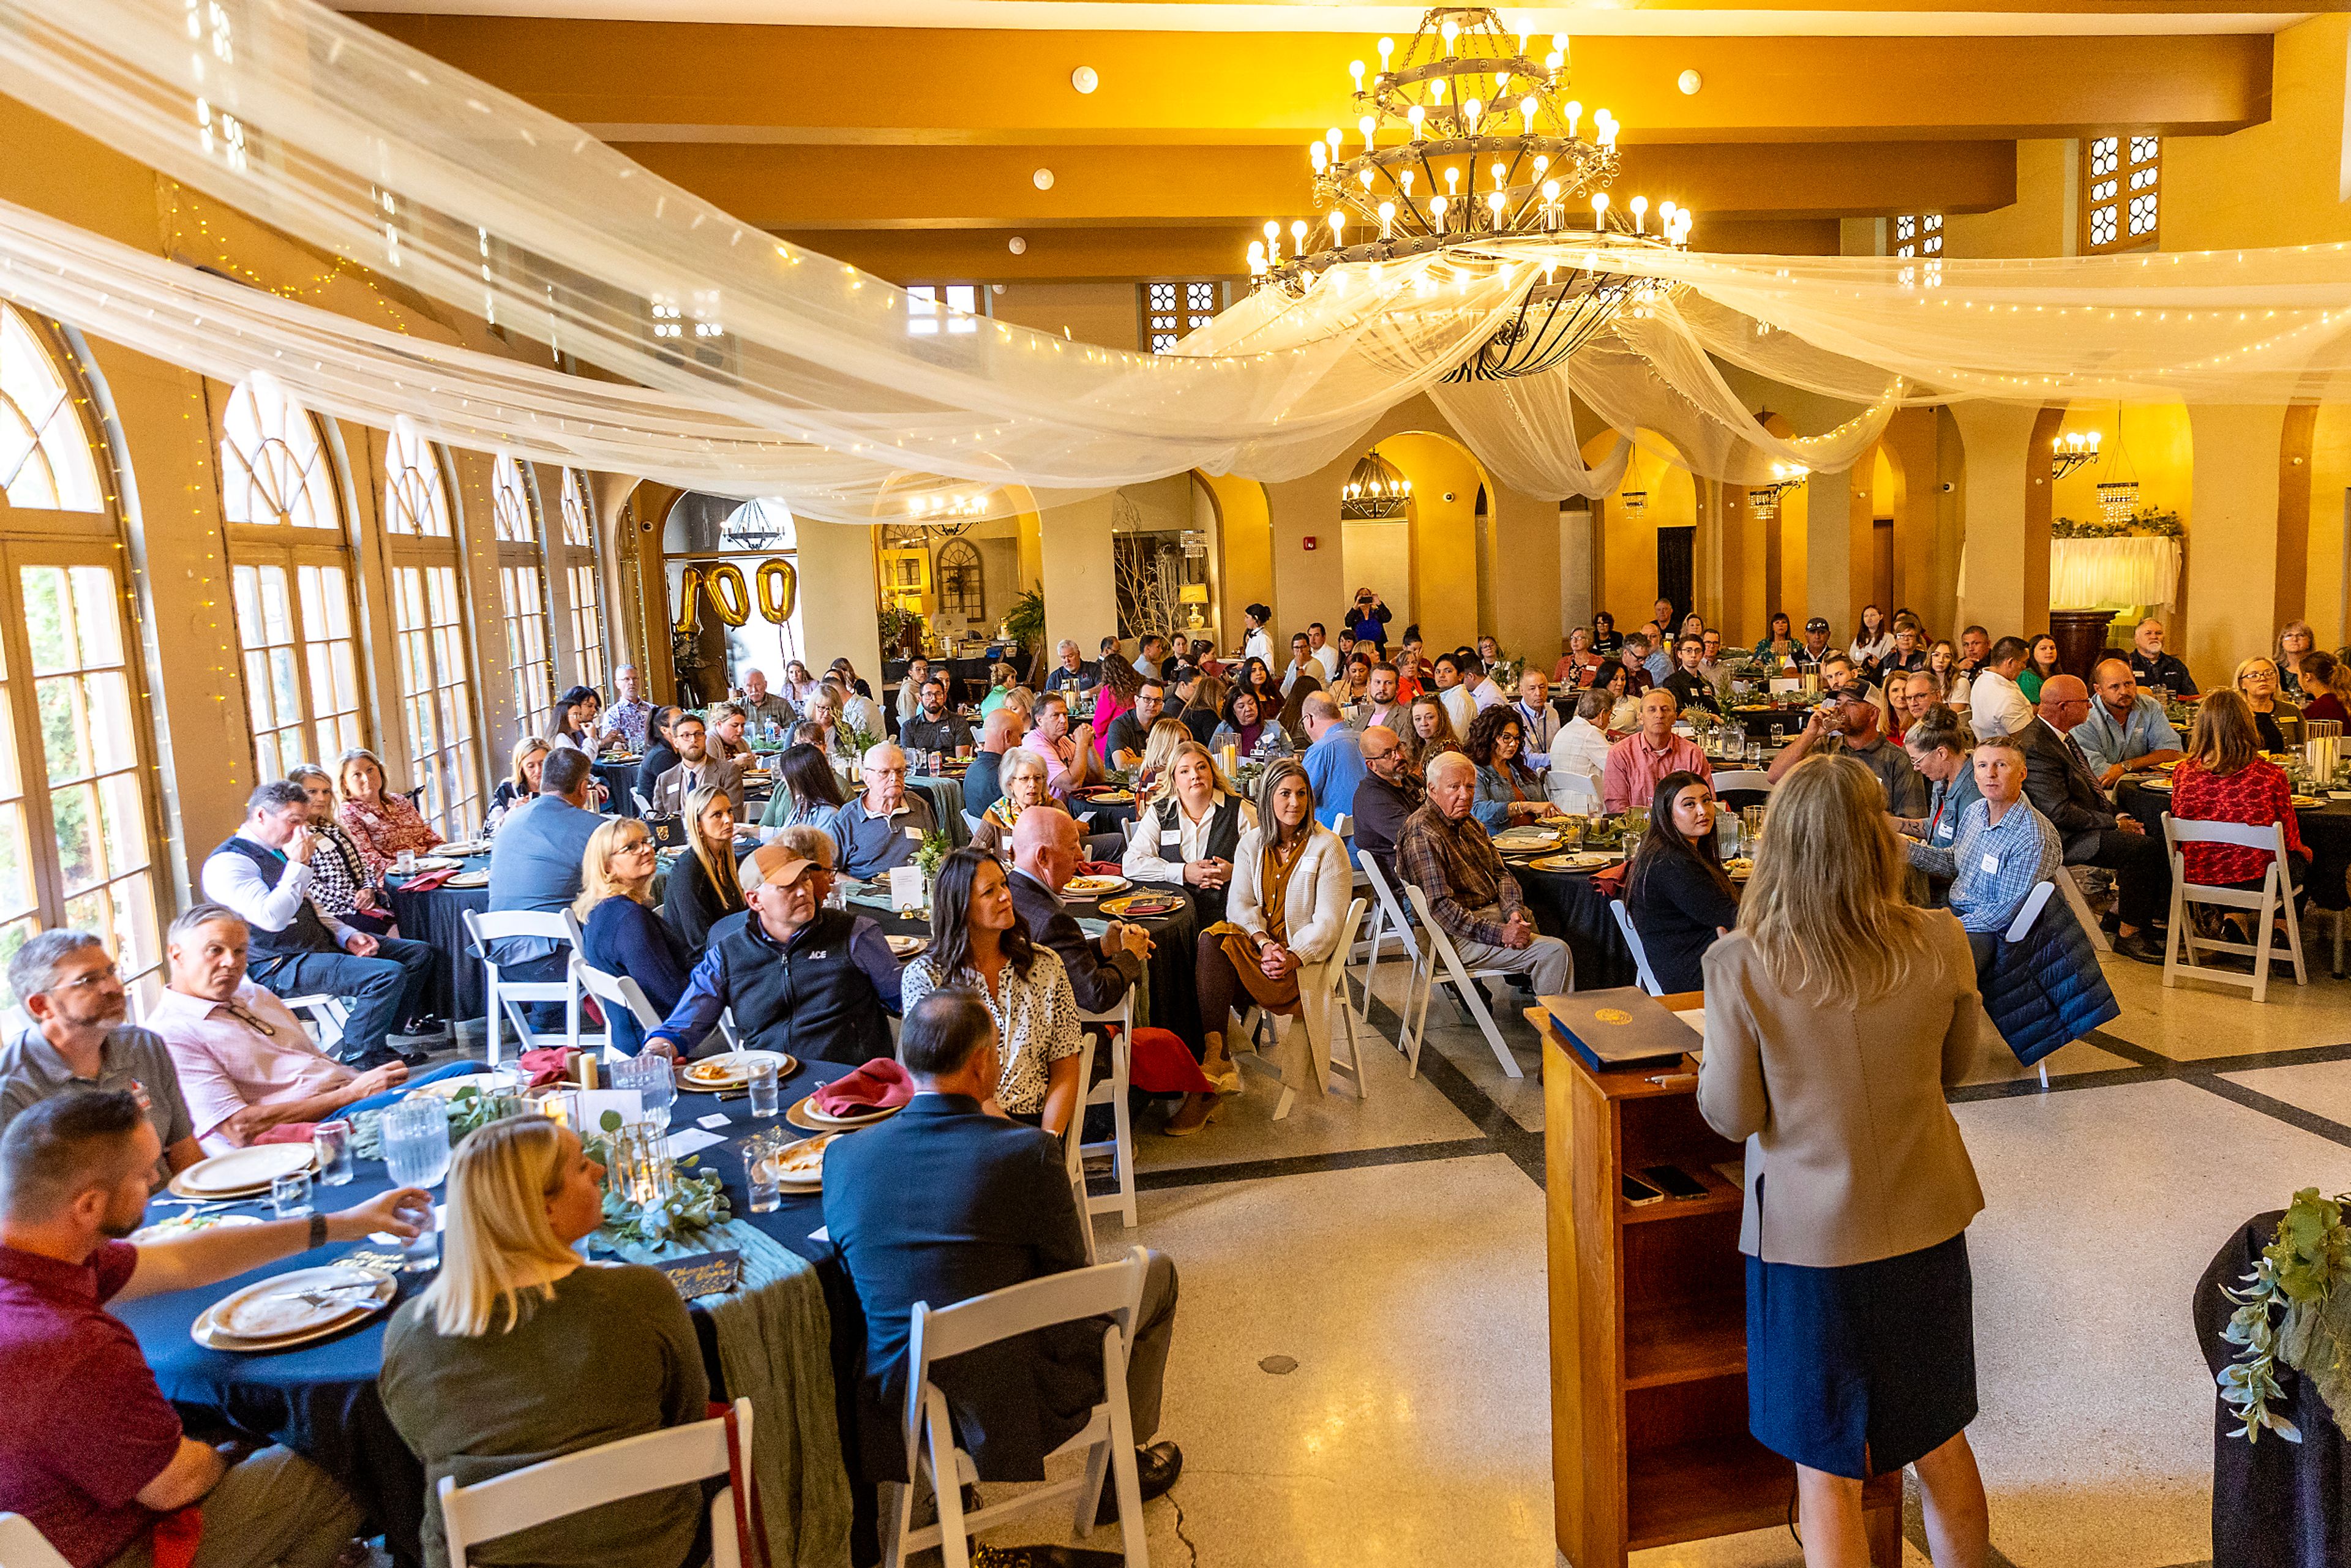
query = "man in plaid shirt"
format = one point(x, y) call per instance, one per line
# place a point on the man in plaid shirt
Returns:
point(1445, 852)
point(2003, 848)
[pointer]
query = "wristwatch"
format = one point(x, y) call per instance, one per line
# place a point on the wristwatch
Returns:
point(317, 1231)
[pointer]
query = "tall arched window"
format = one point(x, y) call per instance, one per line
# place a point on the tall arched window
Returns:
point(428, 623)
point(522, 597)
point(578, 566)
point(77, 836)
point(290, 577)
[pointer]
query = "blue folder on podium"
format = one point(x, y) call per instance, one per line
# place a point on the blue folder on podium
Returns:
point(1620, 1029)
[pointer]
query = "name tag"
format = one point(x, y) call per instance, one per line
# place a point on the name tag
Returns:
point(915, 834)
point(1171, 836)
point(1992, 865)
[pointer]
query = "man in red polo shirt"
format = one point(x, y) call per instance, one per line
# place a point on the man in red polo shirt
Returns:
point(91, 1451)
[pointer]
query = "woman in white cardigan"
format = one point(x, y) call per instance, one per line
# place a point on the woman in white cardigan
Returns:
point(1289, 893)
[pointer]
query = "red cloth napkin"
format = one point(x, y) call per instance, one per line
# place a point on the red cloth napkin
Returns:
point(879, 1084)
point(288, 1133)
point(176, 1537)
point(1099, 868)
point(428, 880)
point(546, 1066)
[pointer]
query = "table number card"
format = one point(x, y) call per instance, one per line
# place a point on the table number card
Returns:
point(704, 1274)
point(905, 887)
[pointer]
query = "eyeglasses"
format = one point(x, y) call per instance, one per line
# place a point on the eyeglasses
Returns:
point(110, 975)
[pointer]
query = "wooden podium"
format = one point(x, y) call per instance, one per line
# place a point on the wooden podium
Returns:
point(1648, 1325)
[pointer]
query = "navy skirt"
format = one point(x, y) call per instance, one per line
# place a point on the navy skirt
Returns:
point(1861, 1370)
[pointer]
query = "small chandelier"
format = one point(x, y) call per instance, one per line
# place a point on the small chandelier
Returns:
point(1785, 476)
point(2071, 451)
point(1375, 492)
point(1634, 502)
point(2118, 491)
point(1469, 142)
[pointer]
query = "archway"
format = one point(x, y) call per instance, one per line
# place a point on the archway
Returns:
point(1448, 543)
point(2150, 445)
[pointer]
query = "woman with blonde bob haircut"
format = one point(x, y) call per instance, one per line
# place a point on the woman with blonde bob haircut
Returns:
point(621, 933)
point(1836, 1014)
point(517, 1353)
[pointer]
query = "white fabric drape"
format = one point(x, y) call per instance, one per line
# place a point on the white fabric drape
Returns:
point(759, 368)
point(2084, 574)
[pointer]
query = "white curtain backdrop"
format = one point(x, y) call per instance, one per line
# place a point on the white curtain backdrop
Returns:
point(2087, 573)
point(759, 368)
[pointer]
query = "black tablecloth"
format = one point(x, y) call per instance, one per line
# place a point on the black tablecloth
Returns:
point(2275, 1504)
point(1569, 905)
point(620, 782)
point(1765, 723)
point(1108, 817)
point(437, 917)
point(320, 1400)
point(2325, 832)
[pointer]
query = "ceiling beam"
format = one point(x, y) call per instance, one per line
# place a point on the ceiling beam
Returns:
point(1153, 186)
point(795, 84)
point(985, 255)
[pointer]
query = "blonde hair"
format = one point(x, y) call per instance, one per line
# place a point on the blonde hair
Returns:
point(521, 754)
point(1159, 752)
point(596, 879)
point(1825, 909)
point(718, 860)
point(497, 1250)
point(1164, 787)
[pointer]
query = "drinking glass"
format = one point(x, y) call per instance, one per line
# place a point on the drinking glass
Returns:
point(766, 1100)
point(1750, 822)
point(759, 1172)
point(649, 1075)
point(332, 1141)
point(1754, 751)
point(416, 1141)
point(289, 1194)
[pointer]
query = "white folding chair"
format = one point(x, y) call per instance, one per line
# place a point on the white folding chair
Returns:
point(1342, 1015)
point(1389, 923)
point(1112, 1291)
point(1073, 1147)
point(644, 806)
point(2276, 896)
point(1742, 778)
point(1571, 791)
point(1440, 949)
point(329, 1015)
point(1110, 1092)
point(483, 928)
point(574, 1484)
point(23, 1546)
point(1647, 976)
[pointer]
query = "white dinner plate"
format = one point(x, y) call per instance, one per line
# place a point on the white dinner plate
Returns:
point(273, 1313)
point(187, 1223)
point(242, 1171)
point(446, 1088)
point(1094, 887)
point(732, 1069)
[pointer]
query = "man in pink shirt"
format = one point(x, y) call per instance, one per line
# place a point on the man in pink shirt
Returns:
point(1069, 761)
point(246, 1063)
point(1635, 764)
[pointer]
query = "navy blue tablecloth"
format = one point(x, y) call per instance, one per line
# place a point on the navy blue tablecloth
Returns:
point(320, 1400)
point(620, 782)
point(436, 916)
point(1569, 905)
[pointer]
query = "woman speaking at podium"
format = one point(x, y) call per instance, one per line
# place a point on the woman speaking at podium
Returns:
point(1835, 1014)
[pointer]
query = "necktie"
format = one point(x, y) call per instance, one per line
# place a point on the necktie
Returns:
point(250, 1021)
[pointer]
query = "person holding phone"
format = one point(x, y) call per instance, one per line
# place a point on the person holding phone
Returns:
point(1368, 621)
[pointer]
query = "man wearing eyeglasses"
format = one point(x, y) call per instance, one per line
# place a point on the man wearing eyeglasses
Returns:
point(66, 983)
point(2063, 787)
point(883, 827)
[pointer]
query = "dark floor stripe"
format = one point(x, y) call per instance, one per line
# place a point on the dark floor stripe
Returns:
point(1165, 1178)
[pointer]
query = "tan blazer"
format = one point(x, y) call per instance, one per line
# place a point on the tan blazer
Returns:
point(1852, 1154)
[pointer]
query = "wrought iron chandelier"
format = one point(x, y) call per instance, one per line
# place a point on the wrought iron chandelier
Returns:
point(1467, 141)
point(2118, 490)
point(1785, 476)
point(1375, 492)
point(2070, 451)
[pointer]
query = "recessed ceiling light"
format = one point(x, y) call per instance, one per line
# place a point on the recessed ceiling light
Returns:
point(1690, 81)
point(1085, 79)
point(1042, 179)
point(1016, 245)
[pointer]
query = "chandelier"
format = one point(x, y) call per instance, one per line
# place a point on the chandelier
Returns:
point(2118, 490)
point(2070, 451)
point(1468, 142)
point(1785, 476)
point(1375, 492)
point(933, 519)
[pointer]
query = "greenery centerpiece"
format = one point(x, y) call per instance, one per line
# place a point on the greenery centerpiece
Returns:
point(2294, 1309)
point(2151, 524)
point(692, 1202)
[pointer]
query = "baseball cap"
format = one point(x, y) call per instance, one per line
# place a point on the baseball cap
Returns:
point(1817, 623)
point(1851, 692)
point(783, 868)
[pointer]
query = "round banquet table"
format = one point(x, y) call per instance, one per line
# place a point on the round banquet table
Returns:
point(320, 1400)
point(618, 775)
point(1569, 905)
point(1109, 816)
point(2325, 832)
point(436, 916)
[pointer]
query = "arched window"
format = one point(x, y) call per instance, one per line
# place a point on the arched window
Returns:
point(578, 566)
point(291, 579)
point(522, 597)
point(45, 461)
point(962, 585)
point(428, 623)
point(77, 836)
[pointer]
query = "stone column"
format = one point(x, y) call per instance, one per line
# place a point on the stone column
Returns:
point(2004, 491)
point(839, 594)
point(2234, 560)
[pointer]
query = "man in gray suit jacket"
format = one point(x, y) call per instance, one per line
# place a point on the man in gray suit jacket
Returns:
point(695, 767)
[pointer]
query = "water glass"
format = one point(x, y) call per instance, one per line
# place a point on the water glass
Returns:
point(649, 1075)
point(1750, 822)
point(332, 1142)
point(406, 864)
point(1754, 752)
point(416, 1141)
point(765, 1096)
point(421, 1252)
point(759, 1175)
point(289, 1194)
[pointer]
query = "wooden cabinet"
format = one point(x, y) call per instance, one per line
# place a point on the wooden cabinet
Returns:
point(1649, 1326)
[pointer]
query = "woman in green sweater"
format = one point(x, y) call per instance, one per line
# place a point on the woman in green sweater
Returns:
point(520, 1351)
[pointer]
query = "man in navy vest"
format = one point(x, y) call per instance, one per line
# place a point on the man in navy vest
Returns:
point(803, 979)
point(264, 873)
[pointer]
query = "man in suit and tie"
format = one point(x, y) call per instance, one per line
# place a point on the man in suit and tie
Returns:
point(1046, 850)
point(695, 767)
point(2064, 788)
point(945, 1202)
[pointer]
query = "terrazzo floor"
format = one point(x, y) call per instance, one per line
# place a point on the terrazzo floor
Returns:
point(1361, 1360)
